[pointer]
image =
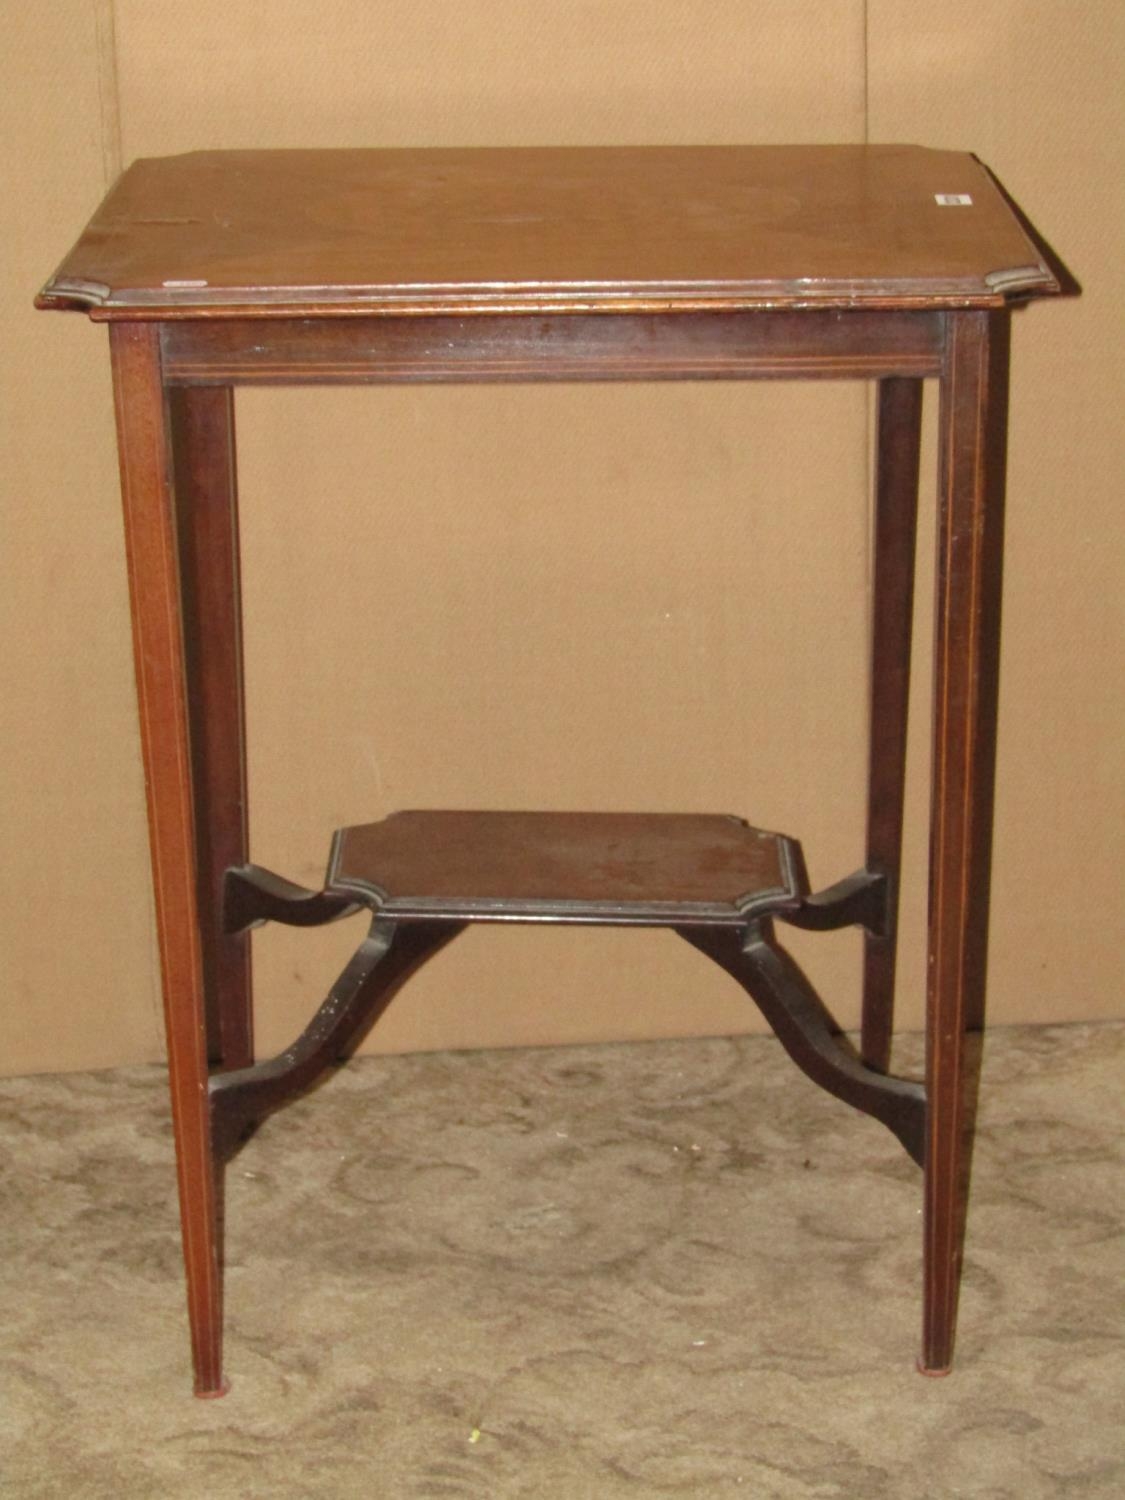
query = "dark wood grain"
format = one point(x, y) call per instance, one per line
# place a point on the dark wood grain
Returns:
point(370, 267)
point(154, 587)
point(897, 444)
point(626, 868)
point(660, 869)
point(808, 1031)
point(205, 489)
point(561, 229)
point(856, 344)
point(386, 958)
point(972, 417)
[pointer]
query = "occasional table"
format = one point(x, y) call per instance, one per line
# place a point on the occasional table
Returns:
point(220, 269)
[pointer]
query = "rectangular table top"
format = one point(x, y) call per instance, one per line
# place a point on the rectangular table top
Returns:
point(561, 229)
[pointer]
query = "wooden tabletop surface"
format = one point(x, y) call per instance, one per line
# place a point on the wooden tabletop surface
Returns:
point(332, 232)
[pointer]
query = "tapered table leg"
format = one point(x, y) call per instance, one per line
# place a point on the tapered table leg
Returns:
point(897, 441)
point(972, 424)
point(150, 538)
point(205, 490)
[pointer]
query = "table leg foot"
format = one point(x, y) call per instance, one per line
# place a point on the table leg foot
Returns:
point(202, 1394)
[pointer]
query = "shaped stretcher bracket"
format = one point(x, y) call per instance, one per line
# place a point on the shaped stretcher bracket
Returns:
point(424, 876)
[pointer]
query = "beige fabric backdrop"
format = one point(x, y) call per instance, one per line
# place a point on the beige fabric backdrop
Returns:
point(613, 598)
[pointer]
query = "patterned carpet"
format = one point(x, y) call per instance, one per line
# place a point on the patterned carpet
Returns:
point(667, 1269)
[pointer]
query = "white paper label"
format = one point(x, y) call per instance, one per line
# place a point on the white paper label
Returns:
point(953, 200)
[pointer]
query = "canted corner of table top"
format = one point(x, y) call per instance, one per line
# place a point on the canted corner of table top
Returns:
point(411, 232)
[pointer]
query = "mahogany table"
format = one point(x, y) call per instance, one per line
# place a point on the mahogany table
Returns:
point(220, 269)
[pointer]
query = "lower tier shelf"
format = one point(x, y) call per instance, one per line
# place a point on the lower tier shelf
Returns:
point(630, 868)
point(425, 876)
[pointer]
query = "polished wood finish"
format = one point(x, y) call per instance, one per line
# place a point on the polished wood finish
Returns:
point(548, 229)
point(845, 345)
point(154, 588)
point(972, 424)
point(611, 868)
point(386, 958)
point(364, 267)
point(201, 423)
point(423, 875)
point(808, 1031)
point(897, 447)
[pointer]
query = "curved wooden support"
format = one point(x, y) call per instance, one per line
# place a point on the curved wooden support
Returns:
point(859, 900)
point(807, 1031)
point(380, 965)
point(252, 895)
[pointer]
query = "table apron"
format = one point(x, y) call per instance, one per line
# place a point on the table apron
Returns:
point(481, 348)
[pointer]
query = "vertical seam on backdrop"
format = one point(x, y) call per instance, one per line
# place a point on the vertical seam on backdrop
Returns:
point(109, 124)
point(109, 97)
point(868, 407)
point(867, 72)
